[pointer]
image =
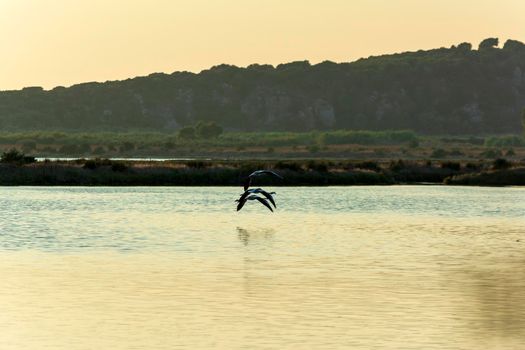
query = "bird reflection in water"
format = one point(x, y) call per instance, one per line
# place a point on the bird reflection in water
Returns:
point(248, 236)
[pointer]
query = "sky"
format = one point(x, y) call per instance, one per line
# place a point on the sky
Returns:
point(52, 43)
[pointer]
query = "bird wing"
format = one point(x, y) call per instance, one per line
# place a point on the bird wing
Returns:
point(265, 202)
point(244, 195)
point(269, 196)
point(265, 172)
point(269, 172)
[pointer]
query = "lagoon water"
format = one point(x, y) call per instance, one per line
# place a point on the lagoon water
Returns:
point(401, 267)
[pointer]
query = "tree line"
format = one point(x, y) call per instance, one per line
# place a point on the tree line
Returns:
point(455, 90)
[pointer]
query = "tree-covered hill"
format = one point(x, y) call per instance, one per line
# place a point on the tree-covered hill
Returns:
point(447, 91)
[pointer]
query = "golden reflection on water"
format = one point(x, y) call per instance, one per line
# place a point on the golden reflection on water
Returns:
point(429, 297)
point(295, 281)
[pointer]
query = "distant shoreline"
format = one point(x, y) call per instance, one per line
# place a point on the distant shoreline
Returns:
point(105, 172)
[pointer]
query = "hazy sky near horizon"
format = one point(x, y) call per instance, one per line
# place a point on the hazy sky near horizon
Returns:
point(62, 42)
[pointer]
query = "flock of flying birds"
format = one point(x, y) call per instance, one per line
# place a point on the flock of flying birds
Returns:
point(253, 194)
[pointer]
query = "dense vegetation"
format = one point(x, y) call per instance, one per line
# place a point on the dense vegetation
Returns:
point(453, 90)
point(106, 172)
point(339, 144)
point(108, 142)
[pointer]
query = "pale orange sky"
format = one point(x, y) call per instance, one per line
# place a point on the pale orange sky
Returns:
point(63, 42)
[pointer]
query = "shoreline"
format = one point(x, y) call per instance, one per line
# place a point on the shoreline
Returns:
point(105, 172)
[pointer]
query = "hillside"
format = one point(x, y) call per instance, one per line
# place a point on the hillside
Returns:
point(454, 90)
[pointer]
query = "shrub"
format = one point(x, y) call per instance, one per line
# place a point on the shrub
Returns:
point(501, 163)
point(14, 156)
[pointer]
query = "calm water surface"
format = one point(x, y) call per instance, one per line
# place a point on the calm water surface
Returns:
point(333, 268)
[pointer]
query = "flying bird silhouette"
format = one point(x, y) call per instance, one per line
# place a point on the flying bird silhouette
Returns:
point(268, 195)
point(251, 198)
point(256, 173)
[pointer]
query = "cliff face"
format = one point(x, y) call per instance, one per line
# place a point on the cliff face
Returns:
point(452, 91)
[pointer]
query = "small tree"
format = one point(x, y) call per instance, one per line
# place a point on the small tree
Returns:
point(513, 45)
point(488, 43)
